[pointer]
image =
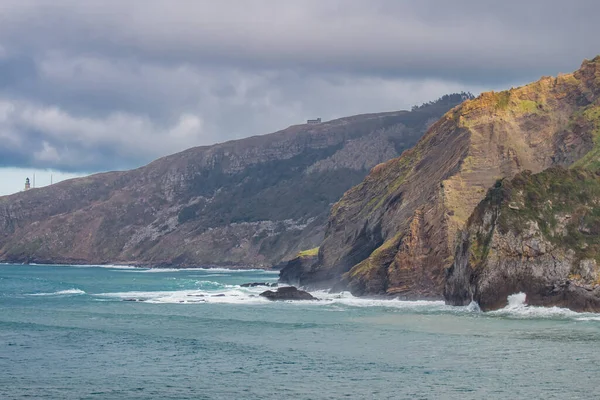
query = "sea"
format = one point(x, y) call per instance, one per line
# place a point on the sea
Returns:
point(118, 332)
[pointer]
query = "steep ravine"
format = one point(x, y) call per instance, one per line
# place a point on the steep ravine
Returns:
point(395, 233)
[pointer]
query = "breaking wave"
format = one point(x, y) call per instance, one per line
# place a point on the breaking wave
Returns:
point(518, 308)
point(215, 292)
point(231, 296)
point(59, 293)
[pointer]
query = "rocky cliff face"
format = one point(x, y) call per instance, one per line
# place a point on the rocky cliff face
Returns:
point(250, 202)
point(294, 270)
point(536, 234)
point(395, 232)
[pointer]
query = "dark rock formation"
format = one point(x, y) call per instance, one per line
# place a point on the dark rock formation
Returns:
point(396, 232)
point(536, 234)
point(251, 202)
point(254, 284)
point(293, 271)
point(287, 293)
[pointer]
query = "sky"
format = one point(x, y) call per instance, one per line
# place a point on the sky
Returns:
point(89, 86)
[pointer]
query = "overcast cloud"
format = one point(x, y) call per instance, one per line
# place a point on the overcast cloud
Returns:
point(89, 86)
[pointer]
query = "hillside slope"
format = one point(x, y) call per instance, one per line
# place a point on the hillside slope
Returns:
point(395, 232)
point(250, 202)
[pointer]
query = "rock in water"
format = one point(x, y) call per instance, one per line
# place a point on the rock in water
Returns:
point(294, 270)
point(288, 293)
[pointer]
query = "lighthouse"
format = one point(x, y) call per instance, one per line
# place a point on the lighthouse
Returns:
point(27, 185)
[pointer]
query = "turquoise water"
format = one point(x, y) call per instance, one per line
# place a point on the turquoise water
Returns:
point(67, 333)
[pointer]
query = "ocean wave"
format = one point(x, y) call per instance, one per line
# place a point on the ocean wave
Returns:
point(58, 293)
point(109, 266)
point(346, 298)
point(214, 292)
point(223, 270)
point(534, 312)
point(518, 308)
point(230, 296)
point(212, 285)
point(591, 318)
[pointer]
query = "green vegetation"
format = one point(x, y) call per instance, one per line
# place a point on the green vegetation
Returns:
point(309, 253)
point(564, 204)
point(502, 100)
point(446, 100)
point(529, 107)
point(590, 118)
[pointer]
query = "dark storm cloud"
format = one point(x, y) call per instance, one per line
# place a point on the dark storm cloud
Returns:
point(101, 85)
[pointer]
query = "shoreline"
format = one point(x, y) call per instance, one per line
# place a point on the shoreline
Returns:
point(136, 264)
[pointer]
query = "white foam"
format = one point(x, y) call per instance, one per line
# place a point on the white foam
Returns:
point(232, 295)
point(517, 300)
point(593, 318)
point(473, 307)
point(346, 298)
point(127, 267)
point(517, 308)
point(535, 312)
point(228, 294)
point(60, 292)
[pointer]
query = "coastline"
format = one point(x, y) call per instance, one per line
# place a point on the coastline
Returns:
point(136, 264)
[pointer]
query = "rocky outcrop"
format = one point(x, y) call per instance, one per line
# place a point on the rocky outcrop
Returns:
point(294, 271)
point(536, 234)
point(287, 293)
point(395, 233)
point(255, 284)
point(251, 202)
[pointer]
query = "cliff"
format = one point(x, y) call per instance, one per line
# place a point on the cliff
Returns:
point(536, 234)
point(249, 202)
point(395, 233)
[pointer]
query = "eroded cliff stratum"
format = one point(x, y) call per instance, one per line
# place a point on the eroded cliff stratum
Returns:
point(395, 233)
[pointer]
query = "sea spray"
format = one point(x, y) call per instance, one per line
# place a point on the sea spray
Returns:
point(517, 307)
